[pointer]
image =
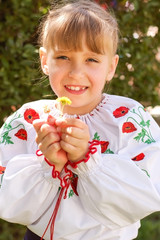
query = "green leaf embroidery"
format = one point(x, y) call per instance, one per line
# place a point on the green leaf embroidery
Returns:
point(96, 137)
point(108, 151)
point(6, 139)
point(148, 123)
point(145, 135)
point(1, 180)
point(146, 172)
point(142, 123)
point(71, 193)
point(148, 141)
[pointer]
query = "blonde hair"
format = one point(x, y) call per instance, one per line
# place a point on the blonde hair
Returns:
point(65, 27)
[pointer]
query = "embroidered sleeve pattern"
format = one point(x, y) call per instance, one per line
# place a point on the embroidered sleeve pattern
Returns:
point(8, 128)
point(13, 125)
point(137, 123)
point(136, 120)
point(104, 144)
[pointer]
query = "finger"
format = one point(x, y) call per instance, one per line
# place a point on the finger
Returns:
point(67, 147)
point(74, 153)
point(63, 123)
point(48, 140)
point(76, 132)
point(70, 140)
point(51, 120)
point(37, 124)
point(45, 130)
point(51, 151)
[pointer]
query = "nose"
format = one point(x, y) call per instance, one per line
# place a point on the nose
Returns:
point(76, 71)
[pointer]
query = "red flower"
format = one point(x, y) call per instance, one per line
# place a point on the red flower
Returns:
point(30, 115)
point(121, 111)
point(128, 127)
point(21, 134)
point(139, 157)
point(104, 146)
point(2, 169)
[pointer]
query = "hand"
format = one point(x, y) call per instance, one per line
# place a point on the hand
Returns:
point(74, 137)
point(48, 141)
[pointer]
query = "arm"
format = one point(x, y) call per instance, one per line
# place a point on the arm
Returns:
point(48, 141)
point(26, 176)
point(114, 191)
point(27, 190)
point(120, 189)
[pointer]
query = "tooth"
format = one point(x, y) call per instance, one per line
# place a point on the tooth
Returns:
point(75, 88)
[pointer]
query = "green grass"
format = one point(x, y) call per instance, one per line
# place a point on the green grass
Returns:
point(10, 231)
point(150, 229)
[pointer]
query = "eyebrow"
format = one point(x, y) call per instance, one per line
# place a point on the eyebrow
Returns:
point(69, 51)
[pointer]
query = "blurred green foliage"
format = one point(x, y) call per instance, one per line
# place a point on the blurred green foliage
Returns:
point(21, 79)
point(10, 231)
point(20, 74)
point(138, 73)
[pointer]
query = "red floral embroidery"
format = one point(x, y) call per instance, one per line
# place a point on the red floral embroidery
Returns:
point(104, 146)
point(139, 157)
point(30, 115)
point(74, 182)
point(21, 134)
point(2, 169)
point(120, 112)
point(128, 127)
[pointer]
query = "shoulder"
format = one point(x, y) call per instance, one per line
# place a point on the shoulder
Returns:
point(133, 119)
point(18, 127)
point(40, 105)
point(119, 106)
point(30, 111)
point(118, 101)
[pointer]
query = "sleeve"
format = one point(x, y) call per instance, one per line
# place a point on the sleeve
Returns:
point(121, 188)
point(27, 187)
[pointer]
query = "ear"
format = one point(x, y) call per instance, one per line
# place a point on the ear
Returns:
point(113, 66)
point(43, 58)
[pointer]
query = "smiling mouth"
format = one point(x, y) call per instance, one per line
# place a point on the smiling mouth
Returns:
point(75, 89)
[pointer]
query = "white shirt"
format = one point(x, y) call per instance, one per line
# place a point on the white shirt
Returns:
point(117, 186)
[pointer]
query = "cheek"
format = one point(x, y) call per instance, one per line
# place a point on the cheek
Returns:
point(99, 79)
point(53, 79)
point(54, 73)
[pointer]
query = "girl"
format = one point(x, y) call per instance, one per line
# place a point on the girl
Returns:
point(93, 173)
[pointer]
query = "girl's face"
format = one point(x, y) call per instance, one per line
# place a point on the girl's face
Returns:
point(78, 75)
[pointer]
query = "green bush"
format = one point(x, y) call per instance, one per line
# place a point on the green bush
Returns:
point(138, 73)
point(19, 64)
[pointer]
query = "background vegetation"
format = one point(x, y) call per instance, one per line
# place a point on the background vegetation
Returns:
point(137, 75)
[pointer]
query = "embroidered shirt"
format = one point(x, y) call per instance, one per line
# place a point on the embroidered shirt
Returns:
point(109, 192)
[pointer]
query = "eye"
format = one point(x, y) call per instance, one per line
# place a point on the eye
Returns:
point(92, 60)
point(63, 57)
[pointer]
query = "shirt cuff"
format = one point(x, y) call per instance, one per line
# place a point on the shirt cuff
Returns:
point(90, 163)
